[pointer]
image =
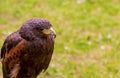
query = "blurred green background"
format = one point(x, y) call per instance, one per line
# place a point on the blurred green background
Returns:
point(88, 34)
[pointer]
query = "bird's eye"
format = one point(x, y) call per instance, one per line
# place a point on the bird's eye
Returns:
point(39, 29)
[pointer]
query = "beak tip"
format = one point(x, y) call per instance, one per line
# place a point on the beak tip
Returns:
point(54, 34)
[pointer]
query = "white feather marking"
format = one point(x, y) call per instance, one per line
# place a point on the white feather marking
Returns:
point(15, 71)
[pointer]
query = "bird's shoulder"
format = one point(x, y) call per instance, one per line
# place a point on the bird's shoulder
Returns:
point(11, 42)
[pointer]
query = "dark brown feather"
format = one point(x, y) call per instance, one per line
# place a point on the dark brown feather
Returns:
point(24, 55)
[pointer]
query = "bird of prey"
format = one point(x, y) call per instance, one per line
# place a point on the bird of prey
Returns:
point(28, 51)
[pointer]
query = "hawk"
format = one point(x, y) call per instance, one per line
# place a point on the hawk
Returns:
point(28, 51)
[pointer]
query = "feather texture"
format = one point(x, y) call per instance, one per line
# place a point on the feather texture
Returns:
point(25, 55)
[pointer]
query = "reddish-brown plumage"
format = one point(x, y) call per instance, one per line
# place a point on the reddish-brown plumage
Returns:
point(28, 51)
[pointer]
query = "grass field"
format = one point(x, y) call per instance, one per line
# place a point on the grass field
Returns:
point(88, 34)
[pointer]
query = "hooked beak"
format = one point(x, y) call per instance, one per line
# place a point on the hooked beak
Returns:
point(50, 31)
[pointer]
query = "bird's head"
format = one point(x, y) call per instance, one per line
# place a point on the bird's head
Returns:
point(37, 27)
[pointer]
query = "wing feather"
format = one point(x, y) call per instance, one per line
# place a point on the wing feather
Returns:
point(10, 42)
point(10, 52)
